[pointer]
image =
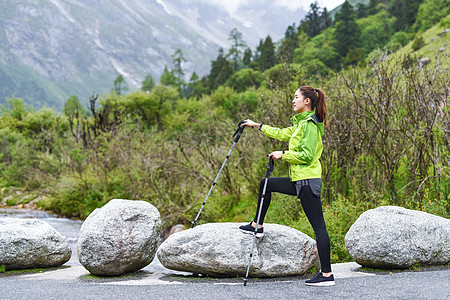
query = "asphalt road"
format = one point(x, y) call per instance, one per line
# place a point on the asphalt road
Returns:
point(406, 285)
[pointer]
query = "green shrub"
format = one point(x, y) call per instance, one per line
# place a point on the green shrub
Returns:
point(418, 42)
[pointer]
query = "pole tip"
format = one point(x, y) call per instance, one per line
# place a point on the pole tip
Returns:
point(245, 281)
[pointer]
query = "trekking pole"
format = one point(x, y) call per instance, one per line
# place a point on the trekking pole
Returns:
point(269, 171)
point(237, 134)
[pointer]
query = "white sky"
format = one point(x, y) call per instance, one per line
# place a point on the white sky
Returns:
point(233, 5)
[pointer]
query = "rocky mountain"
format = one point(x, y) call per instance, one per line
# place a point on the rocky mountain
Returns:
point(52, 49)
point(353, 3)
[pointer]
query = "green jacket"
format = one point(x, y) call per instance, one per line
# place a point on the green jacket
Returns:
point(305, 145)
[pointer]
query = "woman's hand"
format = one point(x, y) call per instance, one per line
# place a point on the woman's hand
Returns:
point(276, 155)
point(250, 123)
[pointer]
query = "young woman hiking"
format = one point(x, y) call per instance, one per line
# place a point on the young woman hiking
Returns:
point(304, 181)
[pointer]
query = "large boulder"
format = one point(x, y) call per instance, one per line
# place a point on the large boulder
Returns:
point(29, 243)
point(120, 237)
point(220, 249)
point(395, 237)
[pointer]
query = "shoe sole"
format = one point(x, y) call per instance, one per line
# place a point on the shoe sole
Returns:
point(258, 235)
point(323, 283)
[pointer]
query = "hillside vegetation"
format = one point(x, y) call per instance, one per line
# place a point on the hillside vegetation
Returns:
point(387, 142)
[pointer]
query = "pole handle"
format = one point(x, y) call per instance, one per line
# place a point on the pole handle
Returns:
point(239, 131)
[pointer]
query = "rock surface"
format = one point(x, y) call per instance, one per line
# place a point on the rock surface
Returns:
point(28, 244)
point(120, 237)
point(220, 249)
point(395, 237)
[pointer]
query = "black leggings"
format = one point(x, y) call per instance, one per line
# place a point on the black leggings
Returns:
point(311, 205)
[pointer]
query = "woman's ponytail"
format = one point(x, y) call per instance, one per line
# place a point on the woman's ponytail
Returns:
point(318, 102)
point(321, 107)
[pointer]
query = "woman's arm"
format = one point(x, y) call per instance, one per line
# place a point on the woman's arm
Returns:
point(273, 132)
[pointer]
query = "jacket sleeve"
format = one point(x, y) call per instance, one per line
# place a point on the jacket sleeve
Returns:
point(303, 153)
point(277, 133)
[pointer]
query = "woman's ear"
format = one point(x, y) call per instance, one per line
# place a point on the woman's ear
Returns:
point(307, 101)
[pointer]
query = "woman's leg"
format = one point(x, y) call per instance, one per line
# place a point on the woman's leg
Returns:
point(312, 207)
point(282, 185)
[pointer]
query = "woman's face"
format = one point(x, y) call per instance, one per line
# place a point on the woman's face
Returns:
point(299, 103)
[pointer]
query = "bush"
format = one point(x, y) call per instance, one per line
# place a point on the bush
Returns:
point(245, 79)
point(418, 42)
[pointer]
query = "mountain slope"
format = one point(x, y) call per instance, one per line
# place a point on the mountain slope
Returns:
point(52, 49)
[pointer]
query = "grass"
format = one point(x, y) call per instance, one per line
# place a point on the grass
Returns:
point(5, 273)
point(127, 276)
point(18, 196)
point(414, 268)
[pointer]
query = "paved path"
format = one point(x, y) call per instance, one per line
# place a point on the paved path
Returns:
point(159, 283)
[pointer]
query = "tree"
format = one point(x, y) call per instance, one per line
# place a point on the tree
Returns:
point(245, 78)
point(430, 12)
point(148, 83)
point(377, 30)
point(268, 58)
point(73, 108)
point(237, 44)
point(313, 20)
point(16, 108)
point(375, 6)
point(347, 33)
point(361, 11)
point(221, 70)
point(325, 19)
point(168, 78)
point(405, 11)
point(195, 87)
point(247, 59)
point(120, 85)
point(288, 45)
point(177, 60)
point(257, 55)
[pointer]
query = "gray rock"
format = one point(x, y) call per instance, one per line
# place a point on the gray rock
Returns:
point(220, 249)
point(28, 243)
point(395, 237)
point(120, 237)
point(423, 62)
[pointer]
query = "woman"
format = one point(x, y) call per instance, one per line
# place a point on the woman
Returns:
point(304, 181)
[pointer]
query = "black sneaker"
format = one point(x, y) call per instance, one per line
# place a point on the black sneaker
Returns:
point(251, 230)
point(320, 280)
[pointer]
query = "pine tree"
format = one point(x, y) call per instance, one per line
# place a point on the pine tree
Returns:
point(257, 55)
point(194, 77)
point(247, 59)
point(347, 33)
point(375, 6)
point(237, 44)
point(221, 70)
point(178, 59)
point(167, 78)
point(148, 83)
point(325, 19)
point(288, 45)
point(268, 58)
point(361, 11)
point(120, 85)
point(313, 20)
